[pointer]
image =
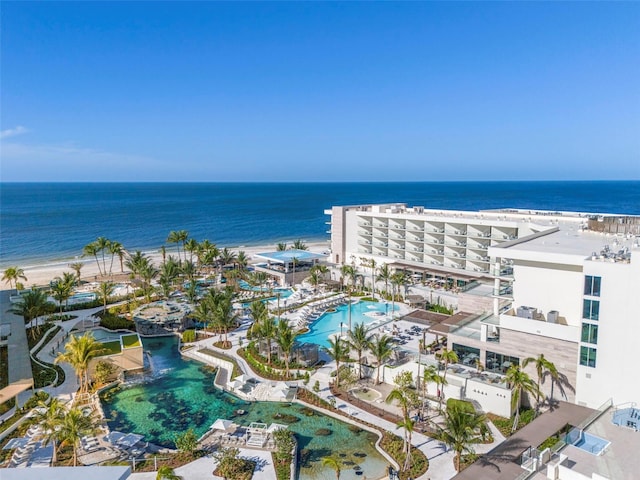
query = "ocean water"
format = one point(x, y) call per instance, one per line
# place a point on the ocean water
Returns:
point(45, 222)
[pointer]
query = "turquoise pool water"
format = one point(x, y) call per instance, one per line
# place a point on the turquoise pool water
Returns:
point(180, 395)
point(587, 442)
point(329, 323)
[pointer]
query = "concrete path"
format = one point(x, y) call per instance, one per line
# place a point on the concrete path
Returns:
point(17, 347)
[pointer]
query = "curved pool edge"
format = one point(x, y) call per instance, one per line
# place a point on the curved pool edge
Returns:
point(351, 421)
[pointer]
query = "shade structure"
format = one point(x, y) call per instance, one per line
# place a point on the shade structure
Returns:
point(114, 437)
point(130, 440)
point(235, 384)
point(222, 424)
point(288, 256)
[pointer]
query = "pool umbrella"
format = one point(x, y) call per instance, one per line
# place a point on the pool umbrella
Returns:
point(221, 424)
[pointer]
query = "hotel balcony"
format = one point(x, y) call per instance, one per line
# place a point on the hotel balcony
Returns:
point(397, 227)
point(552, 326)
point(364, 224)
point(364, 232)
point(364, 242)
point(381, 225)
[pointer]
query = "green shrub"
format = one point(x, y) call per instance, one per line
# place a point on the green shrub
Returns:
point(189, 336)
point(115, 322)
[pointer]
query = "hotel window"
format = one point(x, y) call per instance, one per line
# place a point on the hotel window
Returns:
point(589, 333)
point(591, 309)
point(592, 285)
point(588, 356)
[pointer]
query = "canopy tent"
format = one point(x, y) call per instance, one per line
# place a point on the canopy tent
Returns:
point(16, 443)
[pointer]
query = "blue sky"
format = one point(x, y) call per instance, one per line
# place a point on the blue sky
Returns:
point(319, 91)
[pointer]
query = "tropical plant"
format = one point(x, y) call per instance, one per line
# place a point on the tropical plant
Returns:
point(334, 464)
point(227, 257)
point(286, 338)
point(371, 263)
point(384, 275)
point(50, 417)
point(191, 246)
point(359, 340)
point(281, 247)
point(77, 267)
point(104, 291)
point(338, 350)
point(78, 352)
point(167, 473)
point(397, 280)
point(62, 289)
point(382, 349)
point(403, 393)
point(242, 261)
point(116, 250)
point(176, 236)
point(137, 262)
point(12, 274)
point(519, 382)
point(91, 249)
point(447, 356)
point(266, 330)
point(461, 429)
point(32, 305)
point(408, 425)
point(348, 271)
point(299, 245)
point(187, 442)
point(542, 366)
point(75, 425)
point(189, 270)
point(103, 371)
point(430, 375)
point(224, 317)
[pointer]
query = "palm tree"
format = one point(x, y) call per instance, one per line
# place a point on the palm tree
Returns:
point(242, 261)
point(286, 338)
point(334, 464)
point(408, 424)
point(166, 473)
point(447, 356)
point(397, 279)
point(359, 340)
point(403, 393)
point(371, 263)
point(224, 317)
point(189, 270)
point(430, 375)
point(338, 350)
point(50, 417)
point(148, 273)
point(62, 289)
point(267, 330)
point(191, 246)
point(461, 429)
point(281, 247)
point(299, 245)
point(78, 352)
point(32, 305)
point(542, 366)
point(104, 291)
point(381, 348)
point(91, 249)
point(175, 237)
point(12, 274)
point(227, 257)
point(348, 271)
point(116, 249)
point(103, 244)
point(519, 382)
point(137, 262)
point(75, 425)
point(384, 275)
point(77, 267)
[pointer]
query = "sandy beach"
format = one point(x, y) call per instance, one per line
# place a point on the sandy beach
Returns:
point(43, 274)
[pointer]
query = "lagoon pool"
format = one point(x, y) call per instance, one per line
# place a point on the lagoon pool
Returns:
point(180, 394)
point(329, 323)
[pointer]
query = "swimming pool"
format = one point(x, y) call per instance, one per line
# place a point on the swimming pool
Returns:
point(329, 323)
point(181, 395)
point(587, 442)
point(102, 335)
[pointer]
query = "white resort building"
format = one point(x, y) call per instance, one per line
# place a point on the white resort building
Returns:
point(562, 284)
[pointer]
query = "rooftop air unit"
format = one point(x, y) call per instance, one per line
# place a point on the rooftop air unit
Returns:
point(552, 316)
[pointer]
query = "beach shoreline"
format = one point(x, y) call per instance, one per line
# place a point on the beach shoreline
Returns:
point(41, 274)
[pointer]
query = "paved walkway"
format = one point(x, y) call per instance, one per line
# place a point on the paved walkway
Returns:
point(17, 346)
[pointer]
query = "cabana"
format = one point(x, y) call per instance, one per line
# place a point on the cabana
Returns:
point(288, 266)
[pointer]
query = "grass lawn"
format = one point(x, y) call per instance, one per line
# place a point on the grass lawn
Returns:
point(130, 341)
point(111, 348)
